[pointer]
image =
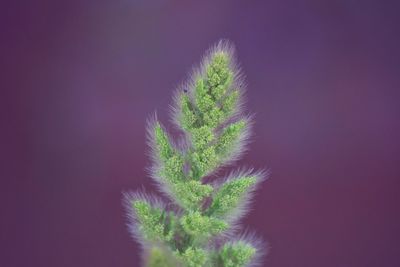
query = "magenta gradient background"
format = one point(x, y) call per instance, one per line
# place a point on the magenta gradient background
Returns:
point(79, 79)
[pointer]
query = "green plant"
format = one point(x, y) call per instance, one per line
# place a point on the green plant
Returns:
point(198, 224)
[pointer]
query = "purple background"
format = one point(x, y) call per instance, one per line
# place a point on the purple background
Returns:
point(79, 79)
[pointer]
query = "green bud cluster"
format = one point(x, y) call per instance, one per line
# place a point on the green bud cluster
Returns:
point(235, 254)
point(194, 229)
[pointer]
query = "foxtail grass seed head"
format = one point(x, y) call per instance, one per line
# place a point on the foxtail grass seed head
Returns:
point(196, 224)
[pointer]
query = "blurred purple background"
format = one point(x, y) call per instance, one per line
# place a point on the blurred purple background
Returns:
point(79, 79)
